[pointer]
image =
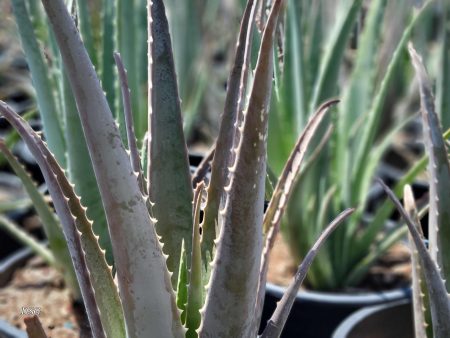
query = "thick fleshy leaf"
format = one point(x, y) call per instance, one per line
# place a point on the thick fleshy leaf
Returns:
point(72, 212)
point(233, 103)
point(330, 65)
point(373, 116)
point(358, 95)
point(236, 264)
point(67, 220)
point(444, 76)
point(182, 285)
point(129, 30)
point(41, 80)
point(439, 171)
point(168, 171)
point(137, 253)
point(195, 290)
point(129, 124)
point(420, 301)
point(439, 298)
point(276, 323)
point(80, 171)
point(282, 192)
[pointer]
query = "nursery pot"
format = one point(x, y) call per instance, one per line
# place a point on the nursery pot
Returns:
point(393, 320)
point(317, 314)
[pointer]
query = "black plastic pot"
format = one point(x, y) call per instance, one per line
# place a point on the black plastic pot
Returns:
point(383, 321)
point(7, 267)
point(317, 314)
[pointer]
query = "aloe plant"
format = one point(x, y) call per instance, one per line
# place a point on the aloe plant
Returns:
point(430, 265)
point(160, 247)
point(342, 173)
point(106, 26)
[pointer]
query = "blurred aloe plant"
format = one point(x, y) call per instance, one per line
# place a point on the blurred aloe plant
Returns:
point(339, 173)
point(153, 215)
point(431, 266)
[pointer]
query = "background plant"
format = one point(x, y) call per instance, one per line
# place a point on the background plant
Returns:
point(154, 212)
point(314, 66)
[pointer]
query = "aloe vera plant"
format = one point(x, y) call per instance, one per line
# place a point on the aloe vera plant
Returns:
point(342, 173)
point(430, 265)
point(161, 247)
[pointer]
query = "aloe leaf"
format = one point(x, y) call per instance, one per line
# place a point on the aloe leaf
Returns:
point(360, 270)
point(418, 287)
point(276, 323)
point(233, 102)
point(386, 208)
point(67, 220)
point(86, 29)
point(80, 170)
point(25, 238)
point(195, 290)
point(439, 300)
point(127, 35)
point(326, 82)
point(236, 264)
point(129, 124)
point(358, 93)
point(72, 214)
point(138, 256)
point(444, 76)
point(293, 86)
point(373, 116)
point(439, 170)
point(34, 327)
point(282, 192)
point(55, 236)
point(109, 42)
point(182, 285)
point(41, 81)
point(361, 243)
point(169, 180)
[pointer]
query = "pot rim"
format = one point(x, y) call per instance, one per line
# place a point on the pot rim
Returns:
point(363, 298)
point(349, 323)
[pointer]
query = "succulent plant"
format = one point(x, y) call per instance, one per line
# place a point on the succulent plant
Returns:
point(317, 63)
point(158, 240)
point(431, 269)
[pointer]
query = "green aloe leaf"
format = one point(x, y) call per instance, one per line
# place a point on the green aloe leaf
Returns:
point(168, 171)
point(439, 299)
point(138, 256)
point(282, 192)
point(421, 307)
point(233, 102)
point(439, 171)
point(42, 83)
point(326, 82)
point(81, 172)
point(195, 290)
point(67, 220)
point(232, 290)
point(276, 322)
point(372, 118)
